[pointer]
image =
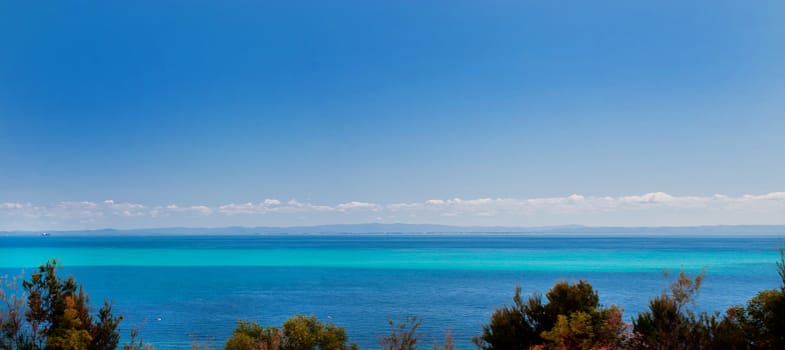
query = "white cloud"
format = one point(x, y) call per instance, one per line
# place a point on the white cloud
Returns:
point(271, 202)
point(8, 205)
point(356, 205)
point(655, 208)
point(125, 209)
point(172, 208)
point(769, 196)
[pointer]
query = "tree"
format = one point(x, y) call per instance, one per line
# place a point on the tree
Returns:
point(104, 332)
point(565, 298)
point(571, 332)
point(765, 320)
point(11, 321)
point(249, 335)
point(71, 332)
point(54, 313)
point(670, 323)
point(307, 332)
point(764, 317)
point(297, 333)
point(572, 318)
point(515, 326)
point(712, 331)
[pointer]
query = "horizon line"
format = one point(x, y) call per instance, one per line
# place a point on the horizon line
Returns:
point(570, 228)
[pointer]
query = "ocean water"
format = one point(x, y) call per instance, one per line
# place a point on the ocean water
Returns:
point(194, 288)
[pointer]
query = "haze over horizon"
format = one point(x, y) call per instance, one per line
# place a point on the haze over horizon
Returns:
point(527, 113)
point(650, 210)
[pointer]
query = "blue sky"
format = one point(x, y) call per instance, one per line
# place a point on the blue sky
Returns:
point(209, 104)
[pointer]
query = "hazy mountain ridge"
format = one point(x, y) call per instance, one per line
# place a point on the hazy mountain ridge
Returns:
point(422, 229)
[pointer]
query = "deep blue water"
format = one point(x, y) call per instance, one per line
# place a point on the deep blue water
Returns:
point(199, 286)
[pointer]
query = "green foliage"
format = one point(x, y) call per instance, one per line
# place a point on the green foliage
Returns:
point(572, 318)
point(55, 314)
point(69, 339)
point(249, 335)
point(240, 341)
point(297, 333)
point(764, 318)
point(669, 323)
point(104, 332)
point(514, 327)
point(571, 332)
point(575, 320)
point(71, 331)
point(301, 333)
point(714, 332)
point(565, 299)
point(306, 333)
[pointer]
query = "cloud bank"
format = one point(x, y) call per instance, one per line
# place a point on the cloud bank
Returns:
point(649, 209)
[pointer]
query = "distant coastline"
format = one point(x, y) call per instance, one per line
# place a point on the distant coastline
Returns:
point(568, 230)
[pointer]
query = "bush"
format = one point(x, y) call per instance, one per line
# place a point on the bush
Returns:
point(298, 333)
point(764, 318)
point(670, 323)
point(54, 313)
point(572, 319)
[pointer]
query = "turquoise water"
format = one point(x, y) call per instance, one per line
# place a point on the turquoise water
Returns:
point(200, 285)
point(568, 259)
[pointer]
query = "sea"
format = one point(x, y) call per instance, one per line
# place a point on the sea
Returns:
point(183, 289)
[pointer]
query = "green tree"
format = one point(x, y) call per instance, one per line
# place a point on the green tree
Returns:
point(764, 317)
point(71, 332)
point(712, 331)
point(251, 335)
point(572, 316)
point(56, 315)
point(574, 319)
point(565, 298)
point(517, 326)
point(573, 331)
point(670, 322)
point(765, 320)
point(307, 332)
point(104, 332)
point(297, 333)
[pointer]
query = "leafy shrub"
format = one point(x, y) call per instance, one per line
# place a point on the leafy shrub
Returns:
point(571, 319)
point(54, 313)
point(297, 333)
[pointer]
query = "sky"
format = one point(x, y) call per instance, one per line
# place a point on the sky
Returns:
point(523, 113)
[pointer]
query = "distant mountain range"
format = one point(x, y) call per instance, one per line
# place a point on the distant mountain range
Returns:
point(720, 230)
